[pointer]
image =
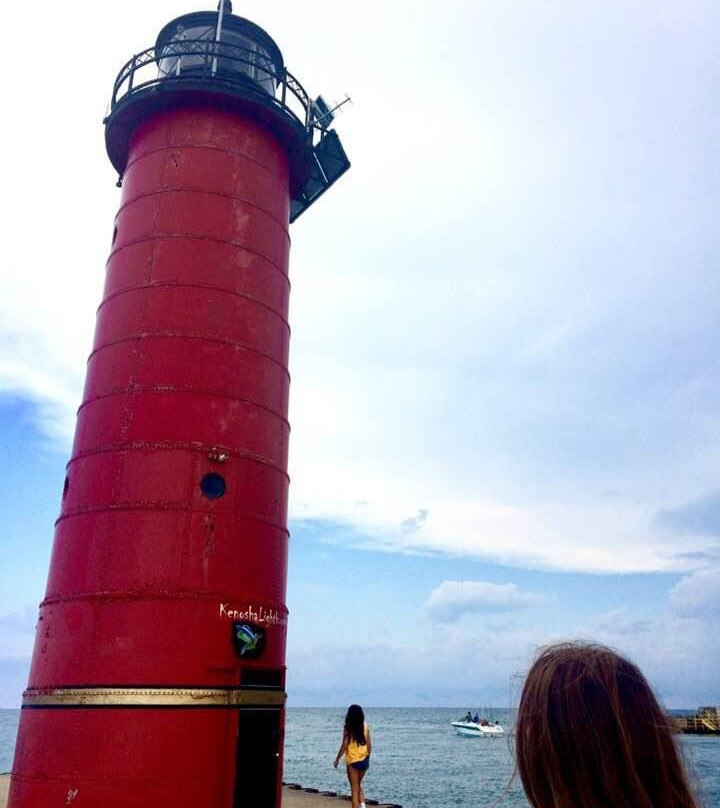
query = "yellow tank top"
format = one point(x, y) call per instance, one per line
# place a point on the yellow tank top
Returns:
point(356, 752)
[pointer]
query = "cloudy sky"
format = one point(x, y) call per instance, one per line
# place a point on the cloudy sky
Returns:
point(506, 389)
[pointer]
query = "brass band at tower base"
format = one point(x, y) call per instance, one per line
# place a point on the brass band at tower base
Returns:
point(153, 697)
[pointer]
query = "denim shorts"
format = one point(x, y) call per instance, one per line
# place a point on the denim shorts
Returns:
point(361, 765)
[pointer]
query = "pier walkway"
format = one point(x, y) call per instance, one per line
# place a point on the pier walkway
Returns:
point(292, 797)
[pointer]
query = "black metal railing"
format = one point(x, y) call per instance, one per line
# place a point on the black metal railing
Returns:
point(317, 156)
point(233, 66)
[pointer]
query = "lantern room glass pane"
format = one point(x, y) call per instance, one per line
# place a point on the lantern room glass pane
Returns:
point(175, 59)
point(238, 56)
point(250, 59)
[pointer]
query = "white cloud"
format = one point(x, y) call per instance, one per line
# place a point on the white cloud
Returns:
point(414, 523)
point(452, 667)
point(17, 633)
point(676, 654)
point(453, 599)
point(467, 342)
point(673, 643)
point(600, 536)
point(697, 594)
point(476, 663)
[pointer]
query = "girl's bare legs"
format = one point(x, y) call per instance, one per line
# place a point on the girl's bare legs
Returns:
point(360, 788)
point(354, 777)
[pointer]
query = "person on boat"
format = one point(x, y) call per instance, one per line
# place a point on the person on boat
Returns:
point(356, 746)
point(591, 733)
point(468, 718)
point(475, 718)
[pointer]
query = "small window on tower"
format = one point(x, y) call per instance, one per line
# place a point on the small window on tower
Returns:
point(213, 485)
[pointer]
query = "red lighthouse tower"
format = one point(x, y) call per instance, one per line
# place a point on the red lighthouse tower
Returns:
point(158, 674)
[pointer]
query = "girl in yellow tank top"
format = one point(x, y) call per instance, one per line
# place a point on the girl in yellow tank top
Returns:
point(356, 746)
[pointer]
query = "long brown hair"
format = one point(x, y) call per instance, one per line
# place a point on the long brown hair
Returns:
point(591, 734)
point(355, 724)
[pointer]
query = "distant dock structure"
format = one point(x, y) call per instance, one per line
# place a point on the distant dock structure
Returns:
point(706, 721)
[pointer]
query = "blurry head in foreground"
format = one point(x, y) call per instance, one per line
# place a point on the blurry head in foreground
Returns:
point(590, 733)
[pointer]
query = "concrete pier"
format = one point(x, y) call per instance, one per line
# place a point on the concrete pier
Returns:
point(291, 798)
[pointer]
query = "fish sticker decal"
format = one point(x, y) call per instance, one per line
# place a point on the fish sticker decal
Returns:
point(248, 639)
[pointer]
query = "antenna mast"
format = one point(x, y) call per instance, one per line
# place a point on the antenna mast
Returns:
point(218, 30)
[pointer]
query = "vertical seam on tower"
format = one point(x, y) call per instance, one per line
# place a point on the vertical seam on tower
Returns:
point(193, 471)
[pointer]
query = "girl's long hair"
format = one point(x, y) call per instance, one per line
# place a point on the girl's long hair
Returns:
point(355, 724)
point(590, 733)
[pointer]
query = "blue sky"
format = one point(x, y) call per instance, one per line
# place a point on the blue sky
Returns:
point(505, 399)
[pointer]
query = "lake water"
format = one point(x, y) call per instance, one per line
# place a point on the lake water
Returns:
point(418, 761)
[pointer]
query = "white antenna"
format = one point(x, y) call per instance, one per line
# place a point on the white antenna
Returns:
point(218, 32)
point(346, 100)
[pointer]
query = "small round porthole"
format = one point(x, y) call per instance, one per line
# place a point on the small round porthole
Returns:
point(213, 485)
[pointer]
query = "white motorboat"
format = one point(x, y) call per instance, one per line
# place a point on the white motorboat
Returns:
point(479, 730)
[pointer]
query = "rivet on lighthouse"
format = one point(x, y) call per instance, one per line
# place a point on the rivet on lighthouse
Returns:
point(158, 675)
